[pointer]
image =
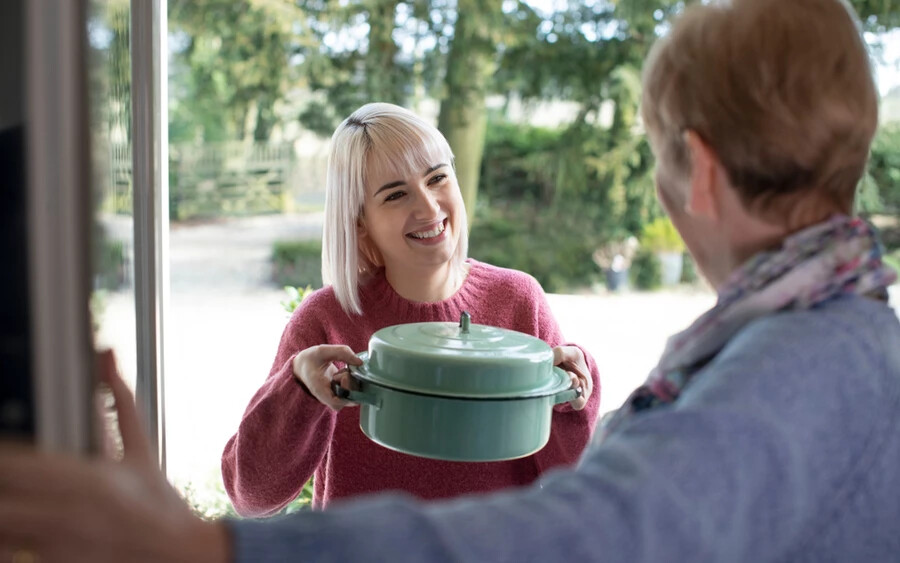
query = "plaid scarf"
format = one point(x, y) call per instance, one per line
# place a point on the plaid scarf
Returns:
point(840, 256)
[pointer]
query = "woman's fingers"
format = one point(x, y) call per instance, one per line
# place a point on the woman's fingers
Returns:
point(134, 440)
point(345, 380)
point(315, 368)
point(321, 389)
point(328, 353)
point(571, 359)
point(319, 386)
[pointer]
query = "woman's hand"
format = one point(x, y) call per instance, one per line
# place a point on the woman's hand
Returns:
point(315, 369)
point(571, 359)
point(56, 507)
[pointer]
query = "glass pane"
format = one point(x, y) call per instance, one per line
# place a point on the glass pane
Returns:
point(242, 177)
point(110, 113)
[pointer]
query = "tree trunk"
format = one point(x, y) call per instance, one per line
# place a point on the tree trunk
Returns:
point(463, 116)
point(265, 118)
point(380, 70)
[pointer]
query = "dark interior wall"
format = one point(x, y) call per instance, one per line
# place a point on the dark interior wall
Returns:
point(16, 412)
point(11, 62)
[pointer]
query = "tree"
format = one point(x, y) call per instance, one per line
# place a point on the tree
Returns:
point(471, 64)
point(355, 58)
point(231, 64)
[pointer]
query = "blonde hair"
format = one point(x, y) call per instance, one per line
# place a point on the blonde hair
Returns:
point(390, 134)
point(782, 90)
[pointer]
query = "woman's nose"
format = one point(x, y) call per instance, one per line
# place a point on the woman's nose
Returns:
point(427, 204)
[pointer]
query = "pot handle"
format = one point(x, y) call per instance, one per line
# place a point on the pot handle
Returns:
point(566, 395)
point(357, 397)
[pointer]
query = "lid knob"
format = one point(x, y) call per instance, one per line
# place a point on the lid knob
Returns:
point(465, 319)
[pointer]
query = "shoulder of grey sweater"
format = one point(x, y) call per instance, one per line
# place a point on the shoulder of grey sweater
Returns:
point(829, 370)
point(850, 334)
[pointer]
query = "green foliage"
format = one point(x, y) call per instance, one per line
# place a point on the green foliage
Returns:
point(520, 162)
point(573, 53)
point(883, 172)
point(660, 235)
point(97, 306)
point(230, 62)
point(539, 182)
point(294, 296)
point(234, 65)
point(109, 264)
point(877, 15)
point(646, 272)
point(297, 263)
point(359, 69)
point(689, 270)
point(541, 242)
point(208, 500)
point(581, 164)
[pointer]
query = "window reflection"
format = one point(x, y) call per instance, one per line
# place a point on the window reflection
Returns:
point(109, 78)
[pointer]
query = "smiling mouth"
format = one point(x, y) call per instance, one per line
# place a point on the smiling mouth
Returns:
point(431, 233)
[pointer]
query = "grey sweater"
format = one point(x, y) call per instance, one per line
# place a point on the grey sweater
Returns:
point(786, 447)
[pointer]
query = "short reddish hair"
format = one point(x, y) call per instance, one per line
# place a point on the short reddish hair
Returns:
point(782, 90)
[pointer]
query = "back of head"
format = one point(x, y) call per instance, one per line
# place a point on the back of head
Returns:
point(377, 134)
point(782, 90)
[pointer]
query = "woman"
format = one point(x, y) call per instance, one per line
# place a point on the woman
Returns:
point(394, 251)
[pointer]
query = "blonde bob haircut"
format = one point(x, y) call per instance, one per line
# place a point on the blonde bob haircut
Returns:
point(781, 90)
point(382, 133)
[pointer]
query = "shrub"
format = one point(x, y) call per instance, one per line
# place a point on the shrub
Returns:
point(646, 272)
point(519, 162)
point(884, 170)
point(688, 269)
point(294, 296)
point(541, 242)
point(297, 263)
point(208, 500)
point(660, 235)
point(110, 264)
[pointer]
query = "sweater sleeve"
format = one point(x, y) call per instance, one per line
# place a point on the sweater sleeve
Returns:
point(571, 430)
point(284, 433)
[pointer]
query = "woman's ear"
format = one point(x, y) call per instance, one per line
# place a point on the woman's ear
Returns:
point(703, 196)
point(366, 245)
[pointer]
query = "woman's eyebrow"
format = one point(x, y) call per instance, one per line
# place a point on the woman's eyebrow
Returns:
point(388, 186)
point(397, 183)
point(433, 168)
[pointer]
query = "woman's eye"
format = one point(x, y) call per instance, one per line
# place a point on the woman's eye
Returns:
point(394, 196)
point(437, 178)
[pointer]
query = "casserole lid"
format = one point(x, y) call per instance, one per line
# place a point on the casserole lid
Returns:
point(461, 360)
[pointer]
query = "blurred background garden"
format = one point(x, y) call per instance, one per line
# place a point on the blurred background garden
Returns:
point(539, 101)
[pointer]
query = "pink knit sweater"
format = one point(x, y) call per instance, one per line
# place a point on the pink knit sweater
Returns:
point(286, 435)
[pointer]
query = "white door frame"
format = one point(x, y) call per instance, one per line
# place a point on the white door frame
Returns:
point(150, 172)
point(59, 220)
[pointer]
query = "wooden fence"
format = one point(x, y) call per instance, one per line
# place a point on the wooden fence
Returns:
point(228, 179)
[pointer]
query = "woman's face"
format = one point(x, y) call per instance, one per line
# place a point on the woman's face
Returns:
point(412, 217)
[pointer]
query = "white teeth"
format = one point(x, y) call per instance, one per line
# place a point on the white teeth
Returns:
point(432, 233)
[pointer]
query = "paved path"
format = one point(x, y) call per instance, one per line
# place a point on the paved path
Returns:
point(225, 320)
